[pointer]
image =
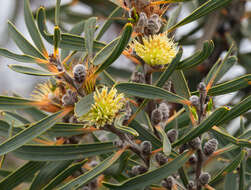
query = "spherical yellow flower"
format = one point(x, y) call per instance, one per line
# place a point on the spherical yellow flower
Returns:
point(107, 105)
point(156, 50)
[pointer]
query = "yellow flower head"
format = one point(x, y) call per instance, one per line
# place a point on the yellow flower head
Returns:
point(156, 50)
point(105, 108)
point(44, 95)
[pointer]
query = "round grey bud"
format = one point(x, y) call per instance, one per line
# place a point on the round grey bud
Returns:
point(202, 87)
point(161, 159)
point(195, 143)
point(210, 146)
point(168, 183)
point(137, 170)
point(138, 77)
point(146, 147)
point(191, 185)
point(163, 107)
point(70, 98)
point(193, 159)
point(79, 73)
point(195, 101)
point(156, 116)
point(204, 178)
point(172, 135)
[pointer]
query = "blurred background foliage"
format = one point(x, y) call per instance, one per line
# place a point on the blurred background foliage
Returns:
point(228, 25)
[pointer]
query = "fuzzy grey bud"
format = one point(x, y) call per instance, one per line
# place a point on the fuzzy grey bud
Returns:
point(85, 188)
point(195, 143)
point(137, 170)
point(154, 24)
point(195, 101)
point(118, 143)
point(70, 98)
point(193, 159)
point(204, 178)
point(79, 73)
point(156, 116)
point(202, 87)
point(191, 185)
point(184, 147)
point(138, 77)
point(146, 147)
point(168, 85)
point(210, 146)
point(172, 135)
point(163, 107)
point(161, 158)
point(168, 183)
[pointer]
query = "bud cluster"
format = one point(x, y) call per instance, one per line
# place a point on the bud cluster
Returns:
point(160, 115)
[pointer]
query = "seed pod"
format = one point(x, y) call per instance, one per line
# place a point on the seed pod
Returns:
point(191, 185)
point(168, 183)
point(163, 107)
point(79, 73)
point(161, 159)
point(156, 116)
point(193, 160)
point(146, 148)
point(195, 101)
point(204, 178)
point(172, 135)
point(210, 146)
point(195, 143)
point(138, 77)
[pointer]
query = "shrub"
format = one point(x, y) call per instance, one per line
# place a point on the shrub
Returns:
point(94, 126)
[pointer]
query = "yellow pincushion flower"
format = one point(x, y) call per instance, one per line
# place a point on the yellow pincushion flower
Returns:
point(156, 50)
point(107, 105)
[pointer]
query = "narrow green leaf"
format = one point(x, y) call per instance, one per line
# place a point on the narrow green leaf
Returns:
point(146, 179)
point(116, 13)
point(30, 71)
point(90, 28)
point(203, 10)
point(230, 86)
point(173, 18)
point(145, 135)
point(17, 57)
point(105, 52)
point(149, 92)
point(56, 38)
point(29, 133)
point(17, 117)
point(228, 169)
point(119, 48)
point(10, 103)
point(63, 175)
point(84, 105)
point(205, 126)
point(170, 69)
point(230, 182)
point(167, 147)
point(62, 152)
point(20, 175)
point(22, 43)
point(242, 178)
point(57, 12)
point(118, 123)
point(198, 57)
point(32, 28)
point(88, 176)
point(237, 110)
point(47, 173)
point(69, 41)
point(77, 30)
